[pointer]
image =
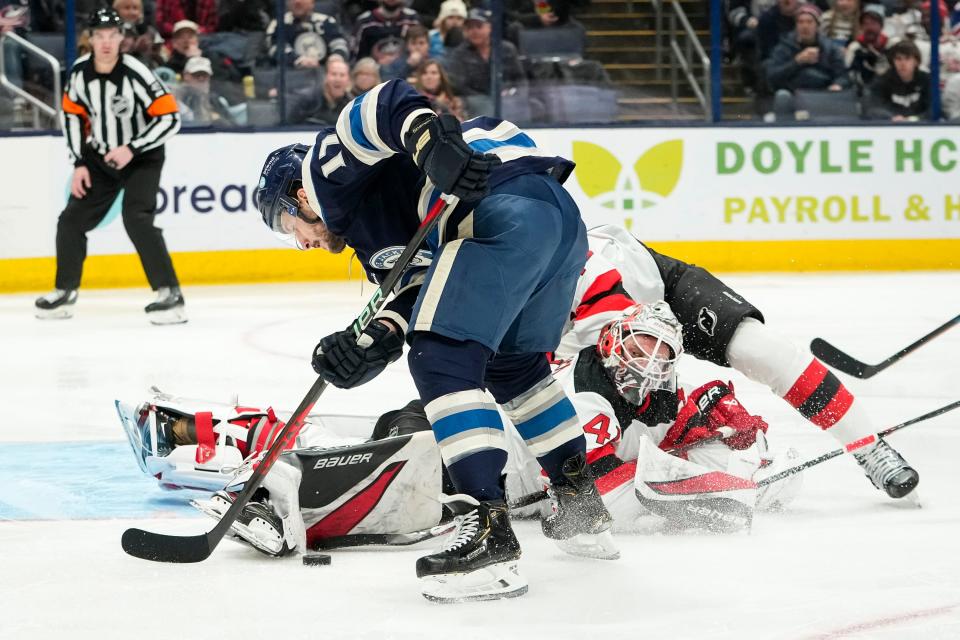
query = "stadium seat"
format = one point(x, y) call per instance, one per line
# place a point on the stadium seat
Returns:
point(568, 40)
point(297, 80)
point(827, 106)
point(52, 43)
point(577, 103)
point(262, 113)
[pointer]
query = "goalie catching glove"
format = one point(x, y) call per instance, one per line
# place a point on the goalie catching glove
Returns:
point(438, 149)
point(707, 409)
point(346, 362)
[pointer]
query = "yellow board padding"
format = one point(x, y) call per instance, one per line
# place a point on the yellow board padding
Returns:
point(193, 267)
point(816, 255)
point(285, 265)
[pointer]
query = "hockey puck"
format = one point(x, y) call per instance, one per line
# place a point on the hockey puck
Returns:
point(316, 559)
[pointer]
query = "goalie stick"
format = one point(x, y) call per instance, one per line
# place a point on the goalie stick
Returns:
point(846, 363)
point(853, 446)
point(537, 496)
point(159, 547)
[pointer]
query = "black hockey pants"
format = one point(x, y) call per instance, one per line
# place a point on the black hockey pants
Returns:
point(140, 180)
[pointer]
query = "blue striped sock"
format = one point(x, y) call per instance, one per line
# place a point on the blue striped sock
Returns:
point(469, 431)
point(548, 423)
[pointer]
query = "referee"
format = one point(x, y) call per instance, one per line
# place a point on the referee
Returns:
point(116, 118)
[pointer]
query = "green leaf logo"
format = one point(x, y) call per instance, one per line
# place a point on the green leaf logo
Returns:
point(605, 180)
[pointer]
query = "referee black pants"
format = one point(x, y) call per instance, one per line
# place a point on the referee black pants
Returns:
point(140, 180)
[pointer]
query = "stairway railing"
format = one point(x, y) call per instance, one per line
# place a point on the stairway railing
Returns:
point(39, 105)
point(682, 58)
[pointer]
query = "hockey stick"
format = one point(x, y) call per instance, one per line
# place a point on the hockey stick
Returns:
point(851, 366)
point(371, 539)
point(855, 445)
point(537, 496)
point(169, 548)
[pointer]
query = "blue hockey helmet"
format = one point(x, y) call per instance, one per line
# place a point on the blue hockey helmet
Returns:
point(273, 195)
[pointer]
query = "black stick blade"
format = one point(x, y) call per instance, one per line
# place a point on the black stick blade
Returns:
point(839, 360)
point(158, 547)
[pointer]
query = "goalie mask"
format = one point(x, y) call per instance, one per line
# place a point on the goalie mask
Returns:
point(640, 350)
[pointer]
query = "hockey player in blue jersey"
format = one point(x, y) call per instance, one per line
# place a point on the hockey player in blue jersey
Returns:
point(479, 308)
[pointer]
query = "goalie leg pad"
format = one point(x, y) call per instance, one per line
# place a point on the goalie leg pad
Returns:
point(493, 582)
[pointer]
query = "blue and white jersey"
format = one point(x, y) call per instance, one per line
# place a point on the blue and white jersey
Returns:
point(367, 189)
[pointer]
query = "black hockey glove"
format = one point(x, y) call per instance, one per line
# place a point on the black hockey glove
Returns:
point(437, 146)
point(346, 364)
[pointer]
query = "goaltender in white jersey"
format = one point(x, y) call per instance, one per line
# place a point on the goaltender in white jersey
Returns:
point(627, 430)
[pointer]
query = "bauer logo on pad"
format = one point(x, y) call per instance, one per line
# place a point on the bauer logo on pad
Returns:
point(614, 184)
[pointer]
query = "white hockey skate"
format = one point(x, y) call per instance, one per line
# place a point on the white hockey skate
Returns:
point(57, 305)
point(168, 308)
point(258, 525)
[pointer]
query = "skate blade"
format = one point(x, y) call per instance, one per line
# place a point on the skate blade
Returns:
point(494, 582)
point(177, 315)
point(599, 546)
point(213, 508)
point(54, 314)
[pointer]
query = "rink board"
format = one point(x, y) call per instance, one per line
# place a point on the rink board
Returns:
point(731, 199)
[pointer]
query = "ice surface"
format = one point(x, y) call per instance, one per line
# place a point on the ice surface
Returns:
point(843, 562)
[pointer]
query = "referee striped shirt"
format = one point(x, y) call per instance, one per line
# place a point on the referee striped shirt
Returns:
point(128, 106)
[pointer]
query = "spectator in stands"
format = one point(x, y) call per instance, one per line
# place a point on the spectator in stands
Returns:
point(47, 16)
point(534, 14)
point(949, 46)
point(14, 17)
point(144, 36)
point(245, 15)
point(450, 20)
point(431, 80)
point(428, 10)
point(312, 37)
point(350, 10)
point(202, 13)
point(193, 94)
point(951, 98)
point(866, 57)
point(184, 44)
point(365, 75)
point(804, 59)
point(904, 18)
point(390, 20)
point(903, 92)
point(324, 105)
point(773, 25)
point(417, 45)
point(469, 64)
point(842, 22)
point(742, 24)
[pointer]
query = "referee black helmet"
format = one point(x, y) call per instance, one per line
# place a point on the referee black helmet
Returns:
point(104, 18)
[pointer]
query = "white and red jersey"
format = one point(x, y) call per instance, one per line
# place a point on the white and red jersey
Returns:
point(619, 272)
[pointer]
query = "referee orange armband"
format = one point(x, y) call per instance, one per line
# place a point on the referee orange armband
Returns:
point(162, 106)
